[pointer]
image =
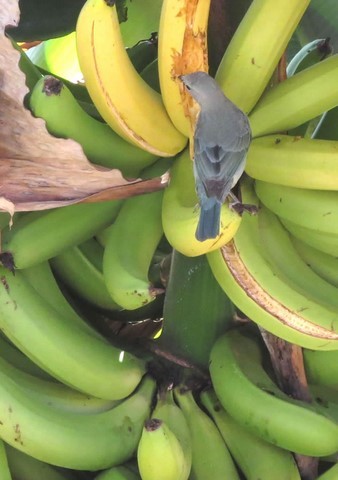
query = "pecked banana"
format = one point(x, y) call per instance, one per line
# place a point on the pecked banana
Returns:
point(255, 457)
point(71, 440)
point(256, 48)
point(298, 99)
point(5, 473)
point(314, 209)
point(52, 100)
point(257, 404)
point(63, 348)
point(294, 162)
point(180, 213)
point(210, 456)
point(252, 285)
point(132, 108)
point(182, 49)
point(38, 236)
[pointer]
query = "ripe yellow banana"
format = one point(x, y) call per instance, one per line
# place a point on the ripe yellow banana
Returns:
point(256, 48)
point(124, 100)
point(182, 49)
point(180, 213)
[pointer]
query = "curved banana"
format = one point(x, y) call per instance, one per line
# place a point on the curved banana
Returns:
point(210, 456)
point(62, 348)
point(256, 48)
point(330, 474)
point(322, 241)
point(125, 101)
point(71, 440)
point(294, 162)
point(182, 49)
point(325, 265)
point(321, 368)
point(5, 473)
point(52, 100)
point(180, 213)
point(314, 209)
point(249, 280)
point(38, 236)
point(254, 399)
point(255, 457)
point(117, 473)
point(160, 454)
point(130, 247)
point(298, 99)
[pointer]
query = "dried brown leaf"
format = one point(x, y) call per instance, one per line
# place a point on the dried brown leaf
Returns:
point(37, 170)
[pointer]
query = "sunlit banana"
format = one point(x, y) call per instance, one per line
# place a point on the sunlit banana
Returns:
point(182, 49)
point(294, 162)
point(133, 109)
point(5, 473)
point(38, 236)
point(61, 347)
point(53, 101)
point(210, 456)
point(252, 285)
point(82, 442)
point(254, 399)
point(298, 99)
point(180, 213)
point(325, 265)
point(314, 209)
point(256, 48)
point(255, 457)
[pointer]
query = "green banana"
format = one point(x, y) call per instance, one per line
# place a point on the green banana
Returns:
point(322, 241)
point(5, 473)
point(325, 265)
point(255, 457)
point(160, 454)
point(71, 440)
point(93, 251)
point(63, 348)
point(321, 368)
point(117, 473)
point(130, 247)
point(81, 276)
point(254, 399)
point(294, 162)
point(210, 456)
point(330, 474)
point(38, 236)
point(252, 285)
point(25, 467)
point(52, 100)
point(293, 102)
point(314, 209)
point(196, 310)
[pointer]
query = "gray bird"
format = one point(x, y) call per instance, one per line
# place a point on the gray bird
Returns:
point(221, 140)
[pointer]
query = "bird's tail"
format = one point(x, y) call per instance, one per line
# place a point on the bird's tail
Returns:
point(209, 221)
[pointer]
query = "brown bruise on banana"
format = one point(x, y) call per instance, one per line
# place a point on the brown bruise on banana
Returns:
point(192, 58)
point(247, 282)
point(120, 120)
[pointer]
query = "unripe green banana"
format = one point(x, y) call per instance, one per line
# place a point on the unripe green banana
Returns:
point(321, 367)
point(53, 101)
point(5, 473)
point(330, 474)
point(292, 102)
point(210, 456)
point(325, 265)
point(71, 440)
point(294, 161)
point(160, 454)
point(130, 247)
point(255, 457)
point(61, 347)
point(117, 473)
point(38, 236)
point(254, 399)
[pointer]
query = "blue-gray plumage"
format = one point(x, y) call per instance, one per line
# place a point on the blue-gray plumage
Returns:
point(221, 140)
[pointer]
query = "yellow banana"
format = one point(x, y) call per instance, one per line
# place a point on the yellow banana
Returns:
point(180, 213)
point(182, 49)
point(124, 100)
point(256, 48)
point(294, 161)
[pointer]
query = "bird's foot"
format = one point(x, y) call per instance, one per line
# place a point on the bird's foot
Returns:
point(240, 208)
